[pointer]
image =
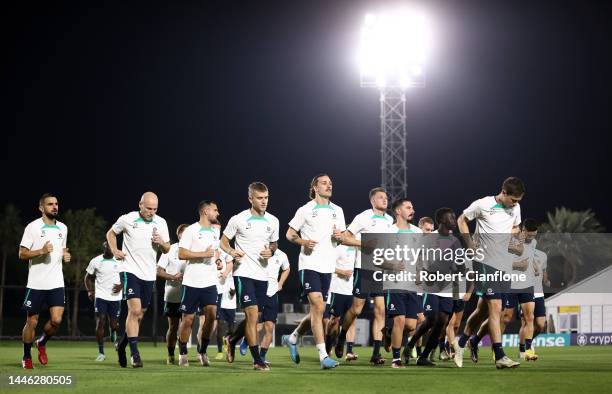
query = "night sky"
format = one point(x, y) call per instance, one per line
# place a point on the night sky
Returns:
point(195, 100)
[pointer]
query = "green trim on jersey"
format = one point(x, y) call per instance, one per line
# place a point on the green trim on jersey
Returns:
point(404, 231)
point(113, 260)
point(54, 226)
point(321, 206)
point(125, 285)
point(203, 229)
point(141, 219)
point(424, 300)
point(302, 278)
point(498, 206)
point(239, 290)
point(388, 299)
point(183, 295)
point(379, 217)
point(253, 217)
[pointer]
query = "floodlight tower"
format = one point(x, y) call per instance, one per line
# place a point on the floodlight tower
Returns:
point(392, 57)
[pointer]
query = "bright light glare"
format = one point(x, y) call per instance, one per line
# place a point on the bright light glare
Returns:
point(394, 48)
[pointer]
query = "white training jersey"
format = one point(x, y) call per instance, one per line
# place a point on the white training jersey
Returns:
point(369, 222)
point(45, 272)
point(200, 272)
point(225, 260)
point(316, 222)
point(171, 263)
point(345, 260)
point(140, 252)
point(493, 221)
point(277, 263)
point(107, 275)
point(540, 259)
point(528, 253)
point(225, 286)
point(253, 234)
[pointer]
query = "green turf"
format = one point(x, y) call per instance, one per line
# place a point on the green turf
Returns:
point(570, 369)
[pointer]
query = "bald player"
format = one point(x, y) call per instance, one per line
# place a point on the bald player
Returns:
point(145, 234)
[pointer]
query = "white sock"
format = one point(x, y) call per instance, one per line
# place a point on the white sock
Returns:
point(293, 337)
point(322, 351)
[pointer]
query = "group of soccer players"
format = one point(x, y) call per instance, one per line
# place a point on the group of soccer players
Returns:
point(210, 273)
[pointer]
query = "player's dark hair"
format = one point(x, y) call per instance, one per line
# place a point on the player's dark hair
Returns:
point(377, 190)
point(203, 204)
point(398, 202)
point(513, 186)
point(441, 212)
point(181, 228)
point(530, 224)
point(313, 183)
point(257, 187)
point(425, 219)
point(42, 199)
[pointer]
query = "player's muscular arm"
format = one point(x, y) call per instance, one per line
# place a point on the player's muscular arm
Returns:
point(225, 245)
point(283, 277)
point(464, 229)
point(162, 274)
point(111, 238)
point(349, 239)
point(294, 237)
point(88, 281)
point(186, 254)
point(27, 254)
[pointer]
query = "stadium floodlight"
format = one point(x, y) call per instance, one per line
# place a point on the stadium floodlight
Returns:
point(392, 57)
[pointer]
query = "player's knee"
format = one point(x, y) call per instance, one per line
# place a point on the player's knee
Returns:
point(32, 321)
point(55, 321)
point(136, 313)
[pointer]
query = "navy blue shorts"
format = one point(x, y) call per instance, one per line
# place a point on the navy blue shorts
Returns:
point(514, 299)
point(270, 309)
point(228, 315)
point(105, 307)
point(434, 303)
point(398, 304)
point(489, 290)
point(196, 297)
point(420, 303)
point(458, 306)
point(340, 304)
point(35, 299)
point(357, 290)
point(540, 308)
point(326, 312)
point(172, 309)
point(134, 287)
point(250, 291)
point(314, 282)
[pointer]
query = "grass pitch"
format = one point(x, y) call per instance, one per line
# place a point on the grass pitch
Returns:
point(559, 370)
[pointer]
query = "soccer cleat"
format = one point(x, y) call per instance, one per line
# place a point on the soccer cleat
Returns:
point(473, 351)
point(444, 356)
point(101, 357)
point(293, 352)
point(231, 349)
point(329, 363)
point(183, 360)
point(397, 364)
point(425, 362)
point(244, 346)
point(530, 355)
point(458, 358)
point(42, 353)
point(170, 360)
point(219, 356)
point(351, 357)
point(377, 360)
point(203, 358)
point(122, 357)
point(261, 367)
point(505, 362)
point(27, 363)
point(432, 356)
point(136, 361)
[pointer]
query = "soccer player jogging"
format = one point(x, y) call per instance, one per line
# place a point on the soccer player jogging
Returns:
point(497, 219)
point(105, 293)
point(373, 220)
point(316, 228)
point(541, 278)
point(341, 290)
point(277, 264)
point(44, 246)
point(226, 301)
point(171, 268)
point(438, 299)
point(145, 234)
point(198, 246)
point(255, 234)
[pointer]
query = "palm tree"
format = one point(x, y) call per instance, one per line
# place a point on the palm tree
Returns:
point(11, 230)
point(85, 236)
point(572, 236)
